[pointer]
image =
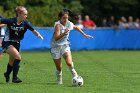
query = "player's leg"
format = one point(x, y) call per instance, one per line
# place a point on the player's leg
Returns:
point(0, 53)
point(68, 58)
point(13, 53)
point(58, 65)
point(55, 52)
point(9, 69)
point(1, 50)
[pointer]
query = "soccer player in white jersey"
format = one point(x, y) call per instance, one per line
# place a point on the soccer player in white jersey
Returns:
point(60, 43)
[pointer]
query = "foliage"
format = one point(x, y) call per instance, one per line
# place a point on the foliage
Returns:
point(98, 9)
point(44, 12)
point(41, 12)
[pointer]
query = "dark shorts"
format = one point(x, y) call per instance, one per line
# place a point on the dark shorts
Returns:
point(7, 44)
point(1, 50)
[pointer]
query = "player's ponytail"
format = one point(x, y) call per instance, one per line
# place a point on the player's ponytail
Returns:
point(69, 12)
point(72, 14)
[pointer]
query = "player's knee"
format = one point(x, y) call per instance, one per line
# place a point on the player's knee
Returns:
point(18, 56)
point(67, 56)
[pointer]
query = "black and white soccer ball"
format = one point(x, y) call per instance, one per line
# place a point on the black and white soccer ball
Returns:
point(77, 81)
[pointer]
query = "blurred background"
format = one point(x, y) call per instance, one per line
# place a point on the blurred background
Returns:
point(44, 12)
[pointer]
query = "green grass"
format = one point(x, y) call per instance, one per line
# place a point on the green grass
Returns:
point(102, 71)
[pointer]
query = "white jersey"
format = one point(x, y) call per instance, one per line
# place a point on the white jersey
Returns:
point(64, 40)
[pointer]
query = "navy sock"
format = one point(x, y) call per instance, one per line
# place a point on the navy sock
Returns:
point(9, 69)
point(16, 67)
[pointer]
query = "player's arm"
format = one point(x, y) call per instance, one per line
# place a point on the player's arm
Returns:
point(29, 26)
point(5, 21)
point(37, 34)
point(80, 30)
point(2, 25)
point(57, 34)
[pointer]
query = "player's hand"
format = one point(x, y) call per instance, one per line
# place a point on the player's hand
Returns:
point(88, 36)
point(41, 37)
point(66, 31)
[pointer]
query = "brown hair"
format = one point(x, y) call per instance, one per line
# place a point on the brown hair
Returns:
point(69, 12)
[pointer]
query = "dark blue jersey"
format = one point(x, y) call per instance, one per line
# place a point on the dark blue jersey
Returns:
point(15, 31)
point(1, 18)
point(1, 30)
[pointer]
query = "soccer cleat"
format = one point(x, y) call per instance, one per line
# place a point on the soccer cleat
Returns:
point(16, 80)
point(7, 78)
point(74, 73)
point(59, 78)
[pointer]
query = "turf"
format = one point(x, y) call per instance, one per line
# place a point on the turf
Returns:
point(102, 71)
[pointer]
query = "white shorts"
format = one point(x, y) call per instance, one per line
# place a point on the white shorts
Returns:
point(57, 52)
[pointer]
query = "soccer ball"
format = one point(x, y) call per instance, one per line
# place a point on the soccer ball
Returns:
point(77, 81)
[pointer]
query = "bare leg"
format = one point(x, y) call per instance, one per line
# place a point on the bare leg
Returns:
point(0, 48)
point(14, 61)
point(13, 54)
point(58, 65)
point(68, 58)
point(0, 55)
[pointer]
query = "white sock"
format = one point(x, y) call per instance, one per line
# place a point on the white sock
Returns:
point(74, 73)
point(59, 77)
point(58, 72)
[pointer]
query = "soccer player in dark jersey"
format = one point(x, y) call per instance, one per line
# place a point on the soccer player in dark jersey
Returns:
point(2, 33)
point(16, 27)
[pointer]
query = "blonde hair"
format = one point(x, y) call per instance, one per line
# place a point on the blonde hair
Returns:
point(20, 9)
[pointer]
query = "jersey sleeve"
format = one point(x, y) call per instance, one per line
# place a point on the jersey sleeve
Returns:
point(69, 25)
point(5, 21)
point(56, 23)
point(1, 17)
point(29, 26)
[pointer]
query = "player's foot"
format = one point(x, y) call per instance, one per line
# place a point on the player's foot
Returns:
point(74, 73)
point(16, 80)
point(59, 78)
point(7, 78)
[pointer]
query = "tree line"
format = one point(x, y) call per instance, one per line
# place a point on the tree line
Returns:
point(43, 13)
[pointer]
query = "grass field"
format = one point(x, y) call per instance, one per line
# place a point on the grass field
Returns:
point(102, 71)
